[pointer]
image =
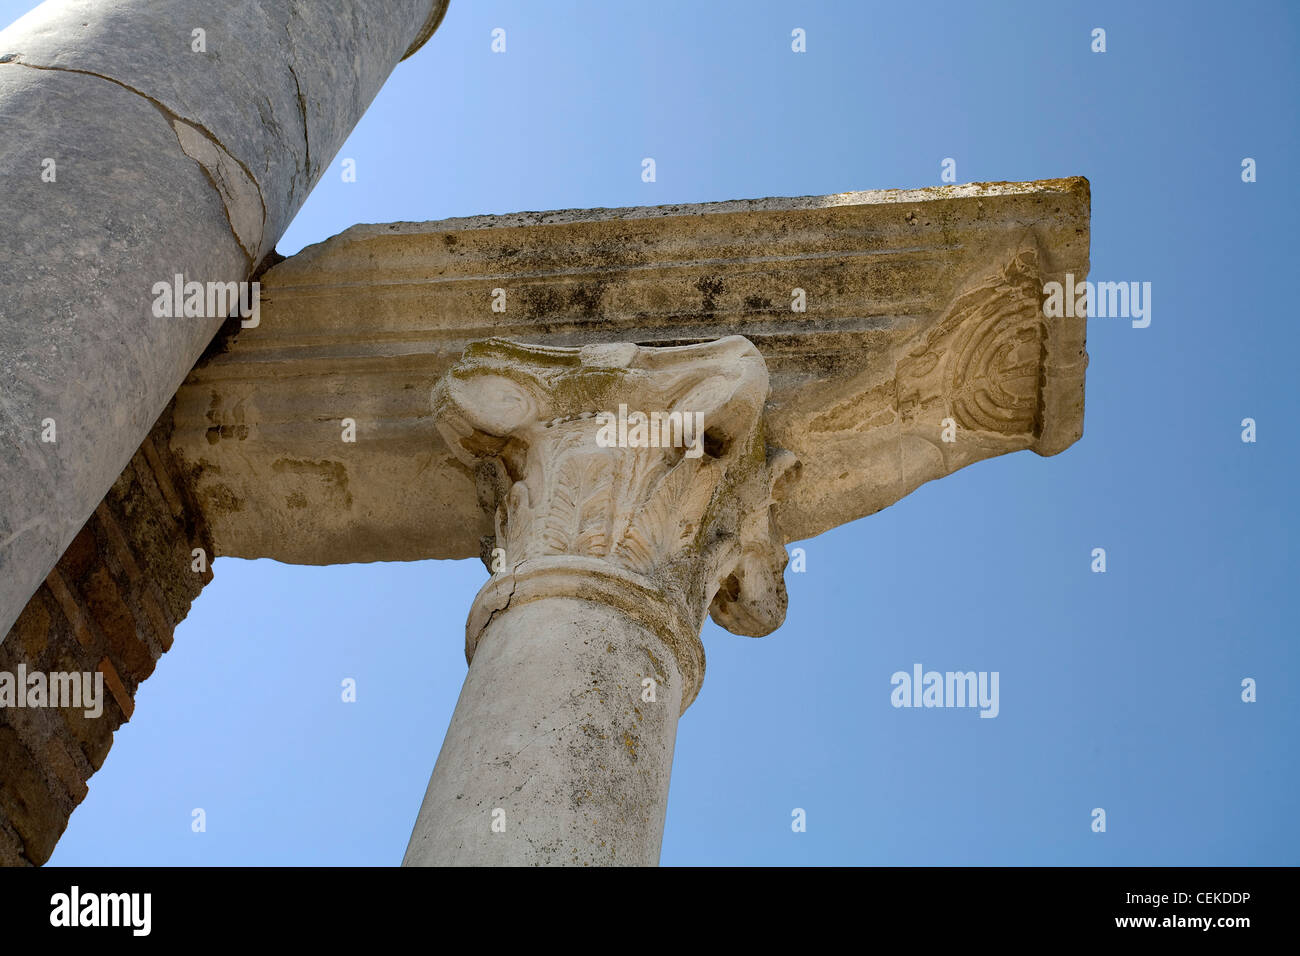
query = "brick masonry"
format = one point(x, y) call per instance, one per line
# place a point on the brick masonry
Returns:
point(111, 604)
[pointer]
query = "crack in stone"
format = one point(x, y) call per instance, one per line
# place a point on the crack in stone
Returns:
point(210, 157)
point(545, 733)
point(514, 583)
point(173, 119)
point(302, 106)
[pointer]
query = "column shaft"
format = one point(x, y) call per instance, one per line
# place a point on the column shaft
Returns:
point(553, 756)
point(145, 139)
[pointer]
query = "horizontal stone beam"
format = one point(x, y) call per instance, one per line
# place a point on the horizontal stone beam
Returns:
point(890, 322)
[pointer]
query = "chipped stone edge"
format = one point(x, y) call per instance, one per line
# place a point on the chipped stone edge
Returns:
point(430, 27)
point(1077, 186)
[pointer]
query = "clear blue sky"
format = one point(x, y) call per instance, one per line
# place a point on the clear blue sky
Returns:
point(1118, 690)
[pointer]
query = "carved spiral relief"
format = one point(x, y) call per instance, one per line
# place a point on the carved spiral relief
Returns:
point(983, 364)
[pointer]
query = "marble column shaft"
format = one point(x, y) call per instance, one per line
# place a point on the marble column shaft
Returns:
point(143, 140)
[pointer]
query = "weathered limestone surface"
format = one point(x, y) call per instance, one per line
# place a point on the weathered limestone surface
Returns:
point(167, 161)
point(584, 645)
point(922, 305)
point(109, 605)
point(550, 730)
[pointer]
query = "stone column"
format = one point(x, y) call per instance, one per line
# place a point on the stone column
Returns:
point(144, 140)
point(613, 539)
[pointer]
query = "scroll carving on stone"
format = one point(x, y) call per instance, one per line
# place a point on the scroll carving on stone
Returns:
point(983, 363)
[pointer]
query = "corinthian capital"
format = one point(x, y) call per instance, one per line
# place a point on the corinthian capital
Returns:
point(632, 476)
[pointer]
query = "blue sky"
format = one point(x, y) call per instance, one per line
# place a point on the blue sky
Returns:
point(1118, 690)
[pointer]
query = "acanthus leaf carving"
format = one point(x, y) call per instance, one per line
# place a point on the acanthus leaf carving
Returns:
point(687, 524)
